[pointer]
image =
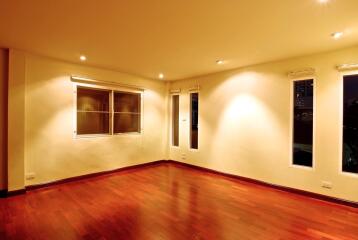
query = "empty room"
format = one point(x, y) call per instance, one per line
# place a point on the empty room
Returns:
point(179, 120)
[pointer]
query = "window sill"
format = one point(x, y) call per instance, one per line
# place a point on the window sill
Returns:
point(88, 136)
point(302, 167)
point(127, 133)
point(349, 174)
point(193, 150)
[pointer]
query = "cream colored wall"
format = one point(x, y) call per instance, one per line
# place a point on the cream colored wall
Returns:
point(16, 120)
point(244, 124)
point(3, 127)
point(50, 150)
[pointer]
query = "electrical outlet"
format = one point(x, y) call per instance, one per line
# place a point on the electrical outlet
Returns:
point(183, 156)
point(326, 184)
point(30, 176)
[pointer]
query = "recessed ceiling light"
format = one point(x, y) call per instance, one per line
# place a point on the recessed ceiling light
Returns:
point(337, 35)
point(219, 62)
point(161, 75)
point(83, 58)
point(323, 1)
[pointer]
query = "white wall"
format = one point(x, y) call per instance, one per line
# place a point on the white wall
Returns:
point(50, 150)
point(244, 124)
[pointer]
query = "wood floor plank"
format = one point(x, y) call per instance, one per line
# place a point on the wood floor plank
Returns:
point(172, 202)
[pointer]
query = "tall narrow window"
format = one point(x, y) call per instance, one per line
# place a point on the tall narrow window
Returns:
point(93, 114)
point(303, 123)
point(175, 120)
point(194, 114)
point(126, 118)
point(350, 124)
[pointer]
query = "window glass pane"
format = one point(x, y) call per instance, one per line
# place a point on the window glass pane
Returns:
point(127, 107)
point(194, 114)
point(126, 122)
point(350, 124)
point(303, 123)
point(126, 102)
point(92, 123)
point(92, 111)
point(92, 100)
point(175, 119)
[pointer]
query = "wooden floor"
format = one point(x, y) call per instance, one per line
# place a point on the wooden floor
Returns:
point(171, 202)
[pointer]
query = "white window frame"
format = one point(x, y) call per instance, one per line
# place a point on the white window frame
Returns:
point(190, 148)
point(341, 116)
point(292, 91)
point(111, 107)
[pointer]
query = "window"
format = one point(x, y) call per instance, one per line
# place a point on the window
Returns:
point(175, 120)
point(93, 113)
point(107, 112)
point(303, 123)
point(194, 114)
point(126, 112)
point(350, 124)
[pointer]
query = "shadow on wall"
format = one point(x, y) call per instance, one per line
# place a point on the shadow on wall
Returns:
point(4, 56)
point(248, 127)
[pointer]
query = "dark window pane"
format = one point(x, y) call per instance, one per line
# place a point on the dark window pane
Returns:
point(92, 123)
point(92, 100)
point(194, 114)
point(92, 111)
point(350, 124)
point(126, 102)
point(127, 107)
point(126, 122)
point(175, 116)
point(303, 123)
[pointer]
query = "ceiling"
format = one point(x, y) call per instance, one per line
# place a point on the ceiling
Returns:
point(181, 38)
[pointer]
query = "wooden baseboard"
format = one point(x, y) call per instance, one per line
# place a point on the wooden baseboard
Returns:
point(15, 192)
point(92, 175)
point(5, 193)
point(279, 187)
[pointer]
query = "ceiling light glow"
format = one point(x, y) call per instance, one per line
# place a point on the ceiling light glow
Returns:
point(161, 76)
point(323, 1)
point(83, 58)
point(220, 62)
point(337, 35)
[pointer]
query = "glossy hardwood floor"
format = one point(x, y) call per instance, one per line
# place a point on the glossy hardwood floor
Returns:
point(171, 202)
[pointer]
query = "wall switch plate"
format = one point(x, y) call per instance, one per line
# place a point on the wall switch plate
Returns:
point(30, 176)
point(326, 184)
